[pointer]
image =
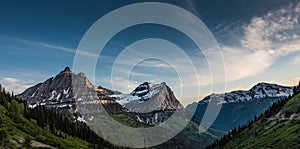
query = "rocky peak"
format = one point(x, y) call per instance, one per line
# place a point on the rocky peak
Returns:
point(149, 97)
point(66, 71)
point(58, 91)
point(142, 89)
point(151, 103)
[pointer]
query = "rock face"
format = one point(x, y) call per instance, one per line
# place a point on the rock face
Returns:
point(259, 91)
point(58, 92)
point(151, 103)
point(67, 91)
point(149, 97)
point(238, 107)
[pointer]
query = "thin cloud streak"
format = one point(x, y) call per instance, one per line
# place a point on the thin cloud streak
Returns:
point(55, 47)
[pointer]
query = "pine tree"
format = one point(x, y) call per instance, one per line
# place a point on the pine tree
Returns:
point(27, 142)
point(3, 129)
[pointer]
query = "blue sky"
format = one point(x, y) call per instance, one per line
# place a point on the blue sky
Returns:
point(259, 40)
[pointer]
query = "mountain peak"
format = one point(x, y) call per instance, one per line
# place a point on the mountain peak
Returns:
point(153, 103)
point(67, 71)
point(144, 89)
point(261, 84)
point(149, 96)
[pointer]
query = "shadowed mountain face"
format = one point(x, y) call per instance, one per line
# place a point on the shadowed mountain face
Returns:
point(58, 92)
point(149, 104)
point(238, 107)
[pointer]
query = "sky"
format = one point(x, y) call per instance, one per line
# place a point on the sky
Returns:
point(259, 42)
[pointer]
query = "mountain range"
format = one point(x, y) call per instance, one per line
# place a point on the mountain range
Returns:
point(148, 103)
point(152, 104)
point(278, 127)
point(238, 107)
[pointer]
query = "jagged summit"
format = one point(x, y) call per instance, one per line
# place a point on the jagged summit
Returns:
point(66, 71)
point(148, 97)
point(151, 103)
point(142, 89)
point(58, 91)
point(146, 90)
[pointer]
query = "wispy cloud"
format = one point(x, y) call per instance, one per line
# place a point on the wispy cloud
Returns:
point(43, 45)
point(263, 40)
point(18, 79)
point(296, 60)
point(15, 85)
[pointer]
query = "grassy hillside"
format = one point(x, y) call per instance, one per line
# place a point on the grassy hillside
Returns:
point(293, 106)
point(188, 137)
point(281, 130)
point(16, 131)
point(21, 126)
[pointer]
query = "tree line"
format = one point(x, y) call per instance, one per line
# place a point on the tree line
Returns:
point(50, 119)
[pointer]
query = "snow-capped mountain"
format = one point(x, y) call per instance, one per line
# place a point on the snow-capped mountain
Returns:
point(259, 91)
point(151, 103)
point(148, 97)
point(238, 107)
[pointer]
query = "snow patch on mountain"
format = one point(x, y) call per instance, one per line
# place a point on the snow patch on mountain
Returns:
point(259, 91)
point(142, 93)
point(81, 119)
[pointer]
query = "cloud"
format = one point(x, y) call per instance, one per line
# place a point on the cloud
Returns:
point(52, 46)
point(296, 60)
point(258, 44)
point(145, 63)
point(15, 85)
point(263, 40)
point(18, 79)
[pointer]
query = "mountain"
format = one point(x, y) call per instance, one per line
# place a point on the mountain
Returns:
point(152, 96)
point(238, 107)
point(278, 127)
point(149, 104)
point(58, 92)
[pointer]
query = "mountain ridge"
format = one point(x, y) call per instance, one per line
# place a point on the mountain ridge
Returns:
point(238, 107)
point(59, 92)
point(251, 91)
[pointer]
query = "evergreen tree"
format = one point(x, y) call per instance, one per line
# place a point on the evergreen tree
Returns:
point(3, 129)
point(27, 142)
